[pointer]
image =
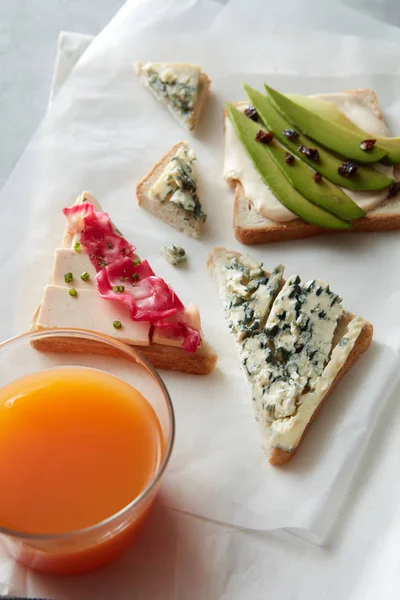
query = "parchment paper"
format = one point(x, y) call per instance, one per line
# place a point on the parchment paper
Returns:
point(218, 470)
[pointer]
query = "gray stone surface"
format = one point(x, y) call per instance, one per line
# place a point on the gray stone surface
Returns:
point(29, 30)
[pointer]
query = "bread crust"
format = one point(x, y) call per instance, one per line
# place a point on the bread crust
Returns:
point(298, 229)
point(280, 456)
point(271, 232)
point(167, 211)
point(172, 358)
point(204, 92)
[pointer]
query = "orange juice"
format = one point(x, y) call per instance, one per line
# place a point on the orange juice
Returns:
point(76, 446)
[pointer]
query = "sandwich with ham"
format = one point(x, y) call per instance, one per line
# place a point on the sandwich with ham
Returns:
point(99, 283)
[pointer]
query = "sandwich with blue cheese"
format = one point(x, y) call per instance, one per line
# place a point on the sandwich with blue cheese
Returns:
point(295, 342)
point(169, 191)
point(182, 88)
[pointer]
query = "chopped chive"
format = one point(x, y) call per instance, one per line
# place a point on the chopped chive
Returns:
point(68, 277)
point(72, 292)
point(85, 276)
point(135, 276)
point(77, 247)
point(117, 289)
point(117, 324)
point(122, 278)
point(136, 262)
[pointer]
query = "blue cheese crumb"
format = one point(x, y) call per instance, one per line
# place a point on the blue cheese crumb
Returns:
point(175, 255)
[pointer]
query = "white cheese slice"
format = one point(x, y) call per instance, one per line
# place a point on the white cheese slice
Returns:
point(164, 337)
point(89, 311)
point(238, 165)
point(69, 261)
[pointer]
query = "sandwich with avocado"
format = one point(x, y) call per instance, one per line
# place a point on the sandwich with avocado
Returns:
point(302, 166)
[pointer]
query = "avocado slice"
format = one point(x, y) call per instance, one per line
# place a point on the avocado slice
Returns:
point(325, 194)
point(329, 110)
point(274, 177)
point(366, 179)
point(336, 138)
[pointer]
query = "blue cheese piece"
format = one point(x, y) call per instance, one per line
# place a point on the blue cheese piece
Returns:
point(300, 327)
point(250, 295)
point(177, 183)
point(175, 255)
point(176, 85)
point(288, 341)
point(286, 433)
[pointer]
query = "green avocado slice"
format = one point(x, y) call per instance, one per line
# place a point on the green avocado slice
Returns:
point(329, 110)
point(325, 194)
point(366, 178)
point(336, 138)
point(274, 177)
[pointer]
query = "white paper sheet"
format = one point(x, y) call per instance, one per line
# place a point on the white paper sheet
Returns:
point(238, 507)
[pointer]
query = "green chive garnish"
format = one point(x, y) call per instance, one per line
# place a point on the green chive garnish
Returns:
point(136, 262)
point(117, 289)
point(117, 324)
point(73, 292)
point(77, 247)
point(135, 276)
point(122, 278)
point(85, 276)
point(68, 277)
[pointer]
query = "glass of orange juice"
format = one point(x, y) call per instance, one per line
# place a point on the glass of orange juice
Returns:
point(86, 432)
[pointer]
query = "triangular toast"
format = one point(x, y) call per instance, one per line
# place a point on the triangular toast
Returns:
point(251, 227)
point(295, 342)
point(182, 88)
point(169, 191)
point(73, 300)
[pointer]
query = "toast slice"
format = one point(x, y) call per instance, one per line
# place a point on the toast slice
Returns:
point(84, 308)
point(173, 177)
point(251, 227)
point(181, 87)
point(295, 343)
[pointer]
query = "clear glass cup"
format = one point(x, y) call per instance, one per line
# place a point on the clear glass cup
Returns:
point(94, 546)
